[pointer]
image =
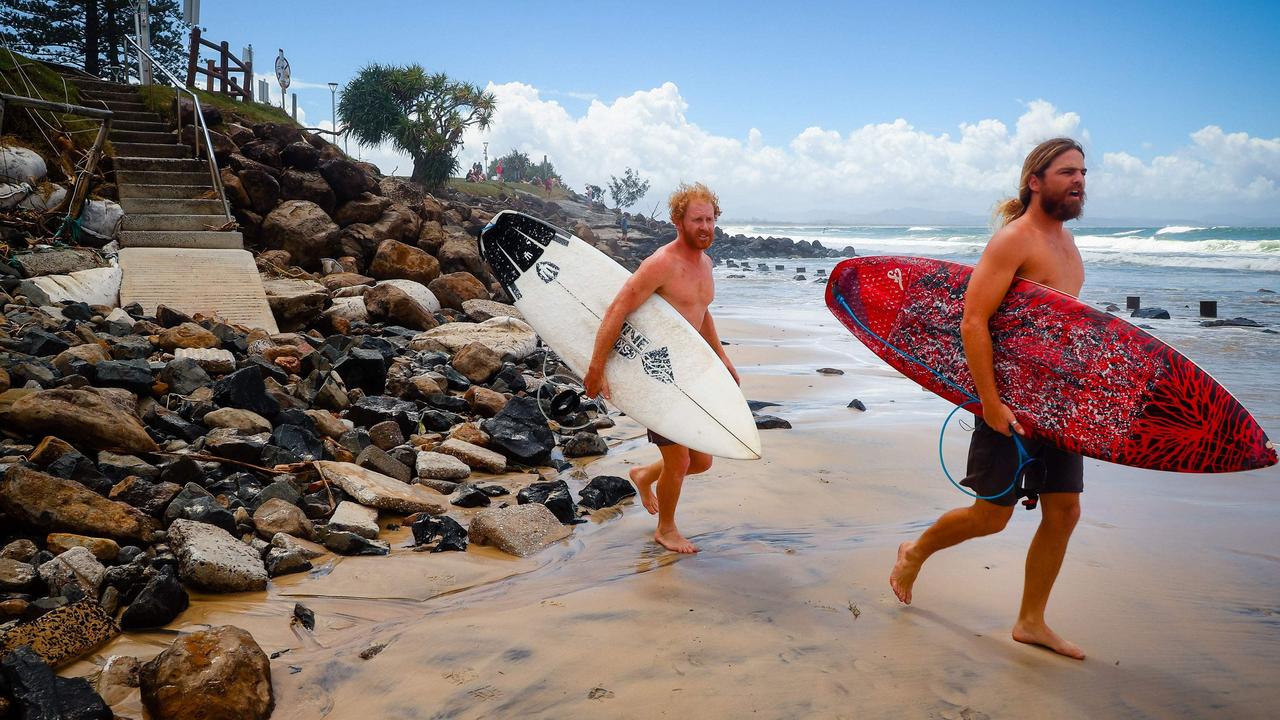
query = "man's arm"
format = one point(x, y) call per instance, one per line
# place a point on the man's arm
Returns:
point(645, 282)
point(708, 332)
point(987, 287)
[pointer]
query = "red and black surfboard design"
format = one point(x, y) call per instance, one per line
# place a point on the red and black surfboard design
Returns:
point(1087, 381)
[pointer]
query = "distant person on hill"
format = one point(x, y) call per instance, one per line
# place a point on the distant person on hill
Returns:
point(499, 169)
point(623, 223)
point(546, 182)
point(680, 272)
point(1032, 244)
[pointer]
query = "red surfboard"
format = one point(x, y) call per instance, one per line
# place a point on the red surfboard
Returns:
point(1084, 380)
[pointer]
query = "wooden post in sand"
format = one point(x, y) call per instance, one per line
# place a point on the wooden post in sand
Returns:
point(1132, 302)
point(1209, 308)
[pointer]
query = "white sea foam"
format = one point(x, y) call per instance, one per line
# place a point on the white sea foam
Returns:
point(1178, 229)
point(920, 229)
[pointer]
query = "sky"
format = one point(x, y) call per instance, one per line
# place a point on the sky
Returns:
point(804, 111)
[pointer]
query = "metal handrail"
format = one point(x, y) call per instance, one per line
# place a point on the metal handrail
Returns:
point(204, 128)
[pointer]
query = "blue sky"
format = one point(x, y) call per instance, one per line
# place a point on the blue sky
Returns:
point(1140, 77)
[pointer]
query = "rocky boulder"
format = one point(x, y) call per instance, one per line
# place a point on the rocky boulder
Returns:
point(303, 229)
point(520, 431)
point(215, 674)
point(364, 209)
point(85, 416)
point(456, 288)
point(377, 490)
point(52, 503)
point(347, 179)
point(503, 335)
point(396, 260)
point(520, 530)
point(211, 559)
point(391, 303)
point(303, 185)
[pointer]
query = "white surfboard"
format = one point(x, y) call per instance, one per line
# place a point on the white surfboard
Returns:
point(661, 372)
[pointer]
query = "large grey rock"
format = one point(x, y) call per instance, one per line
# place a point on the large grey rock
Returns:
point(474, 456)
point(15, 576)
point(481, 310)
point(503, 335)
point(355, 518)
point(379, 491)
point(76, 566)
point(211, 559)
point(520, 530)
point(439, 466)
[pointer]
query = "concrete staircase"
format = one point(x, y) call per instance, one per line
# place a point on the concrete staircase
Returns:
point(175, 248)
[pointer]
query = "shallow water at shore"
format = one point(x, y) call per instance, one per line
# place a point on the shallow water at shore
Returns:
point(1170, 585)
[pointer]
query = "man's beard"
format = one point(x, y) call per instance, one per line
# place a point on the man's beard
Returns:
point(1062, 208)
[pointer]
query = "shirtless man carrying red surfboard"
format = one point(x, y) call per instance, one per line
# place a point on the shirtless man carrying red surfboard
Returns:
point(1032, 244)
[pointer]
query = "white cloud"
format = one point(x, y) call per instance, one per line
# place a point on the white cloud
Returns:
point(822, 172)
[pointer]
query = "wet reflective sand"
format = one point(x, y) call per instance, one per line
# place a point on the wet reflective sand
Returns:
point(1172, 585)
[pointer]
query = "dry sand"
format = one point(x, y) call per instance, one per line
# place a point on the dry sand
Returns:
point(1170, 585)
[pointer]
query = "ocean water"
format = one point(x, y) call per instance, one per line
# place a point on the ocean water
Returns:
point(1173, 267)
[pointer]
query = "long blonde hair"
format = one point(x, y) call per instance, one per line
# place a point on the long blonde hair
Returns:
point(1038, 160)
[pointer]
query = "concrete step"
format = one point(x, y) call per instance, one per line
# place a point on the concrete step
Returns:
point(133, 136)
point(100, 85)
point(148, 150)
point(194, 239)
point(225, 282)
point(173, 222)
point(146, 177)
point(139, 125)
point(179, 192)
point(128, 116)
point(121, 105)
point(172, 206)
point(126, 96)
point(162, 164)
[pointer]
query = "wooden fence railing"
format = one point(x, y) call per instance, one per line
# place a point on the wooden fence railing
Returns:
point(221, 70)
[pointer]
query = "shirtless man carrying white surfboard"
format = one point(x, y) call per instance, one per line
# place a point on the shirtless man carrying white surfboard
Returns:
point(679, 272)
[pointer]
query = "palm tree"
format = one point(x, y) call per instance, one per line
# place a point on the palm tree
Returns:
point(422, 114)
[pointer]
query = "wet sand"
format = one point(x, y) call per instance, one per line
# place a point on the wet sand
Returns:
point(1171, 585)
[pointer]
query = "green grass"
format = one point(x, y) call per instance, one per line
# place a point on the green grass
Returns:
point(159, 99)
point(36, 80)
point(488, 188)
point(495, 189)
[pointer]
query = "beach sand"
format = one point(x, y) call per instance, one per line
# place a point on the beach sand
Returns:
point(1170, 585)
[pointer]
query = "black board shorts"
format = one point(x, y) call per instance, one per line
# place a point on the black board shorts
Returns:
point(993, 460)
point(658, 440)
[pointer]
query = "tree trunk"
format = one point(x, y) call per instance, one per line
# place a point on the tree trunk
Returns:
point(91, 39)
point(112, 35)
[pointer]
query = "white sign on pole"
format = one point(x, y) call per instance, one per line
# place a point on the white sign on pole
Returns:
point(282, 75)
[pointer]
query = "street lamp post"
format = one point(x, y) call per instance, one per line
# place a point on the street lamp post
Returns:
point(333, 107)
point(486, 160)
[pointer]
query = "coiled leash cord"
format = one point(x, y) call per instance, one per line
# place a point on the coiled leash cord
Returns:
point(1025, 460)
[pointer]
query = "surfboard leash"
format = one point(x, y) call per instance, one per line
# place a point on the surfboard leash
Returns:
point(1024, 458)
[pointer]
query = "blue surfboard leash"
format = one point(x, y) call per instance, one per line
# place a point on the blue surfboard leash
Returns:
point(1024, 459)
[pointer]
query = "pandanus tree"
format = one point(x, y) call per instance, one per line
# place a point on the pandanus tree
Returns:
point(421, 114)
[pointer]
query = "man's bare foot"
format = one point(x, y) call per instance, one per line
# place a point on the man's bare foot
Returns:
point(644, 486)
point(674, 541)
point(1040, 634)
point(904, 573)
